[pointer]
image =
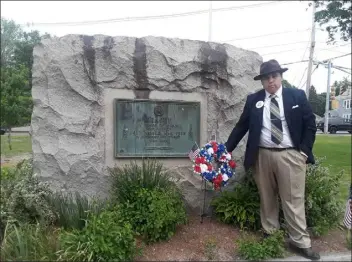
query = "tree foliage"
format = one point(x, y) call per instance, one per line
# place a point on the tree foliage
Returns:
point(10, 34)
point(285, 83)
point(16, 74)
point(337, 16)
point(341, 86)
point(317, 101)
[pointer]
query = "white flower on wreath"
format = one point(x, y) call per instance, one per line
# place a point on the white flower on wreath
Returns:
point(225, 177)
point(210, 151)
point(203, 167)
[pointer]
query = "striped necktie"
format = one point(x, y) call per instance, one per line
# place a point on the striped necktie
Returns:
point(276, 124)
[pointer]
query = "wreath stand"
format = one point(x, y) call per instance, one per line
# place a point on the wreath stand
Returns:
point(203, 213)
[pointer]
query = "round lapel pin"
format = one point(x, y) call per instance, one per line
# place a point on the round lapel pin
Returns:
point(259, 104)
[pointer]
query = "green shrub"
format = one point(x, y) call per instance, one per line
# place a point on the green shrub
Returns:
point(127, 180)
point(29, 242)
point(155, 213)
point(323, 209)
point(250, 248)
point(71, 210)
point(240, 207)
point(23, 197)
point(105, 238)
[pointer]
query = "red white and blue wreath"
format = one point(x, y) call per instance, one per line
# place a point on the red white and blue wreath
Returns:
point(214, 153)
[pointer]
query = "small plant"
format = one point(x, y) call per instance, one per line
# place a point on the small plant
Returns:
point(29, 242)
point(71, 210)
point(105, 238)
point(155, 213)
point(323, 208)
point(240, 207)
point(127, 180)
point(250, 248)
point(210, 248)
point(23, 197)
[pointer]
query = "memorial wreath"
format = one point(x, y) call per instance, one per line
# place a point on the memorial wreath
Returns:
point(214, 164)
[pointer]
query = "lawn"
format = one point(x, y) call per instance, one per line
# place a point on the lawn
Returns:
point(337, 150)
point(20, 145)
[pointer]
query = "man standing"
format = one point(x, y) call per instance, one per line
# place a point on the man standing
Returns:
point(282, 130)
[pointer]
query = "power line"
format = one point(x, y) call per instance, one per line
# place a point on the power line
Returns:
point(302, 48)
point(337, 57)
point(258, 36)
point(305, 70)
point(310, 75)
point(153, 17)
point(301, 59)
point(291, 63)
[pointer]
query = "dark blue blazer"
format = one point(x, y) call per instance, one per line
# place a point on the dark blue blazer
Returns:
point(300, 121)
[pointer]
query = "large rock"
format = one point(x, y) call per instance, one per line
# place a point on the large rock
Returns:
point(72, 74)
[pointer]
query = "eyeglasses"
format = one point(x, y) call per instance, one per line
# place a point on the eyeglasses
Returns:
point(272, 75)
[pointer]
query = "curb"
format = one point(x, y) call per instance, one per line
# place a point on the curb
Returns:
point(346, 256)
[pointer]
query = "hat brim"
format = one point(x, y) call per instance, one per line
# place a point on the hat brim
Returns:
point(259, 77)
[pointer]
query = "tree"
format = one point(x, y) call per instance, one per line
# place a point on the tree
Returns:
point(341, 86)
point(16, 104)
point(10, 34)
point(285, 83)
point(337, 15)
point(23, 52)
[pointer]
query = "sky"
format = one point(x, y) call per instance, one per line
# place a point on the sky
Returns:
point(279, 30)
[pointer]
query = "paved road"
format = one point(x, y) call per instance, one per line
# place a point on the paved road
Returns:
point(339, 133)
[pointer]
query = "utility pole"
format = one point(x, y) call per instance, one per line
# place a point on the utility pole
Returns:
point(210, 21)
point(327, 102)
point(312, 45)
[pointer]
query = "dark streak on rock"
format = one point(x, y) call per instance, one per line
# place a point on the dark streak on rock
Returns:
point(213, 64)
point(141, 94)
point(89, 56)
point(108, 45)
point(140, 64)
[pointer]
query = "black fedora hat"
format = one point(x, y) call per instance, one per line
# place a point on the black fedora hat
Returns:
point(269, 67)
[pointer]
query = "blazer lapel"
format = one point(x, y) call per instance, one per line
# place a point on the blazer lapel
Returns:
point(286, 98)
point(259, 111)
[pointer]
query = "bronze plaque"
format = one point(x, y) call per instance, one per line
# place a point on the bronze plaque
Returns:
point(149, 128)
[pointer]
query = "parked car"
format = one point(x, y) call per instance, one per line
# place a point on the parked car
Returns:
point(2, 131)
point(336, 124)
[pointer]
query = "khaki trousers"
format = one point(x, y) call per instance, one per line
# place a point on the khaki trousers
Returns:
point(283, 172)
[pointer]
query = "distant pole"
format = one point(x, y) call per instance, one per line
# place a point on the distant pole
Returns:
point(210, 21)
point(312, 45)
point(327, 102)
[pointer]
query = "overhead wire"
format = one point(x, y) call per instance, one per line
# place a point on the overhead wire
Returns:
point(152, 17)
point(302, 48)
point(310, 75)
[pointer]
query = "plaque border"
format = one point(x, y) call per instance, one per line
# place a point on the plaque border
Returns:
point(115, 127)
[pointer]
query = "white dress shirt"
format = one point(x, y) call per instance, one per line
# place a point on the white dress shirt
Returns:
point(265, 137)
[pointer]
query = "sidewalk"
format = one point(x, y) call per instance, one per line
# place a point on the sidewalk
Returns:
point(346, 256)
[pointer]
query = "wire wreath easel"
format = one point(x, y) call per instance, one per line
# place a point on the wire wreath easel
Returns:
point(215, 165)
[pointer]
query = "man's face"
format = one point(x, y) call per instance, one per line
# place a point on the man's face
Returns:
point(272, 82)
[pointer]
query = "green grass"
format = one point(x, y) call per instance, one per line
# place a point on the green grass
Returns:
point(20, 145)
point(337, 150)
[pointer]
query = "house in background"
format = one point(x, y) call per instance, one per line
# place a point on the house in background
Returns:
point(341, 105)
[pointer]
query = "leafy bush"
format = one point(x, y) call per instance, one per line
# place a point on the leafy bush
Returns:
point(105, 238)
point(250, 248)
point(240, 207)
point(29, 242)
point(155, 213)
point(127, 180)
point(71, 210)
point(323, 209)
point(23, 197)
